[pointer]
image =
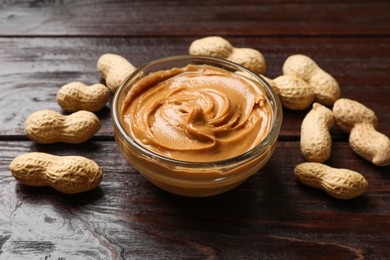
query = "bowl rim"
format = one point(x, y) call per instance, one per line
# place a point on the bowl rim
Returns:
point(271, 95)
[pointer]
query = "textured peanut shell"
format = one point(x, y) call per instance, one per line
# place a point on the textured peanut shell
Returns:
point(370, 144)
point(114, 69)
point(215, 46)
point(339, 183)
point(316, 141)
point(294, 92)
point(67, 174)
point(325, 87)
point(77, 96)
point(47, 126)
point(347, 113)
point(249, 58)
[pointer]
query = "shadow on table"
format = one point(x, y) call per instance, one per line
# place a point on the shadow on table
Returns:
point(47, 195)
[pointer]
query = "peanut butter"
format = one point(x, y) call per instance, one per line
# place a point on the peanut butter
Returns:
point(197, 113)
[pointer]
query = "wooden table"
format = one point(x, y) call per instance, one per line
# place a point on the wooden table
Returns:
point(46, 44)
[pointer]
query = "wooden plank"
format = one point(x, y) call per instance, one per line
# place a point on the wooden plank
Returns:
point(146, 18)
point(270, 216)
point(33, 69)
point(45, 44)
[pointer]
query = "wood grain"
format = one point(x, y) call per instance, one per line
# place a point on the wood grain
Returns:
point(127, 217)
point(46, 44)
point(185, 18)
point(38, 67)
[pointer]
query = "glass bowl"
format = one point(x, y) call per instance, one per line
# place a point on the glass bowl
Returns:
point(195, 179)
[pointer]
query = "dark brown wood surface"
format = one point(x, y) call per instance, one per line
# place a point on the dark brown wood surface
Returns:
point(46, 44)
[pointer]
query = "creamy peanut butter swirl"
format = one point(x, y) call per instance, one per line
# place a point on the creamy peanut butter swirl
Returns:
point(197, 113)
